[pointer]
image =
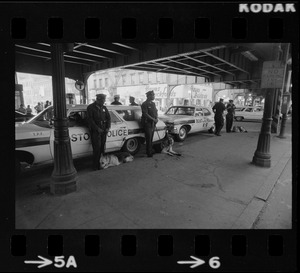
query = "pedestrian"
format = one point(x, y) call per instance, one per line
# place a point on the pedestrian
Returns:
point(218, 109)
point(132, 102)
point(99, 124)
point(149, 120)
point(38, 108)
point(230, 115)
point(47, 104)
point(22, 109)
point(28, 110)
point(116, 100)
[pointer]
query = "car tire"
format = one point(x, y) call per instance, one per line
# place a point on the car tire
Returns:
point(132, 146)
point(182, 134)
point(239, 118)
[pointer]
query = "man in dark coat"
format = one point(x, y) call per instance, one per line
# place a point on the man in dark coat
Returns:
point(218, 109)
point(116, 100)
point(229, 116)
point(149, 120)
point(132, 102)
point(99, 123)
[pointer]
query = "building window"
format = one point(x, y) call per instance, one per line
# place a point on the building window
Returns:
point(106, 82)
point(141, 77)
point(123, 79)
point(95, 84)
point(150, 77)
point(158, 77)
point(132, 78)
point(100, 83)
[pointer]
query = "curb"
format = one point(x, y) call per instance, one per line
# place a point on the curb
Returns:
point(249, 216)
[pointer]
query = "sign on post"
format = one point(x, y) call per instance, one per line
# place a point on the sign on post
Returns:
point(272, 74)
point(79, 85)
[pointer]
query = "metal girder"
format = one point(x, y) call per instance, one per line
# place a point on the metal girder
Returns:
point(193, 67)
point(207, 64)
point(222, 60)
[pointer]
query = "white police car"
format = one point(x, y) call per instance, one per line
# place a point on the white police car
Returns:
point(34, 143)
point(182, 120)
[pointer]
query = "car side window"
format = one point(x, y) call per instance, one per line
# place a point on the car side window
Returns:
point(248, 110)
point(78, 118)
point(114, 118)
point(206, 112)
point(127, 115)
point(199, 112)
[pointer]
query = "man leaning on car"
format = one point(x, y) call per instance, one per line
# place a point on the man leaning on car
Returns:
point(149, 120)
point(99, 125)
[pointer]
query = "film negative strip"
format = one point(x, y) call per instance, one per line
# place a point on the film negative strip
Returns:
point(153, 215)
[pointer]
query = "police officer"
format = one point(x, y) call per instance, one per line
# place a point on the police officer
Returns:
point(229, 116)
point(132, 102)
point(116, 100)
point(218, 109)
point(149, 120)
point(99, 124)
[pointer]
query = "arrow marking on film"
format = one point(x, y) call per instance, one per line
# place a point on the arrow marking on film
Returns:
point(194, 263)
point(42, 263)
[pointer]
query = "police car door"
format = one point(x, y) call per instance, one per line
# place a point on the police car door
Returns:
point(117, 133)
point(79, 134)
point(199, 119)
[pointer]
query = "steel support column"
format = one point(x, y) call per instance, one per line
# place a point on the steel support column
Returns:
point(64, 175)
point(262, 155)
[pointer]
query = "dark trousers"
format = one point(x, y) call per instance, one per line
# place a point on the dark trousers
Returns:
point(229, 122)
point(149, 132)
point(219, 121)
point(98, 143)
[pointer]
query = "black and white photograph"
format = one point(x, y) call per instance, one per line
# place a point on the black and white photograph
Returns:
point(153, 136)
point(149, 136)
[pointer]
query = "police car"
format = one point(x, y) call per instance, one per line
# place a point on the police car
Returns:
point(182, 120)
point(34, 143)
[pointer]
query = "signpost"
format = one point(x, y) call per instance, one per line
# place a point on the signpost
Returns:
point(272, 74)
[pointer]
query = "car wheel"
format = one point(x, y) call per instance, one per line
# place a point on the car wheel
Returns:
point(131, 146)
point(182, 134)
point(239, 118)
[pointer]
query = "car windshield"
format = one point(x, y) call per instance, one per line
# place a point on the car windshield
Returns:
point(187, 111)
point(43, 119)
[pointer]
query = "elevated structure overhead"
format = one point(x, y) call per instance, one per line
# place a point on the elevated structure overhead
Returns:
point(239, 65)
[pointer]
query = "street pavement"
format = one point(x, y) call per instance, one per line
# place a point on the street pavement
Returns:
point(213, 185)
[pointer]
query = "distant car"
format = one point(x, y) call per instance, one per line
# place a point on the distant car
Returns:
point(249, 113)
point(182, 120)
point(34, 143)
point(21, 117)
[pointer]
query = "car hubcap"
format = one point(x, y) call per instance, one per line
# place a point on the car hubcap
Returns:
point(182, 133)
point(132, 145)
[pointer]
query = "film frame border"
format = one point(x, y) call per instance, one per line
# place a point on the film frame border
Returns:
point(146, 257)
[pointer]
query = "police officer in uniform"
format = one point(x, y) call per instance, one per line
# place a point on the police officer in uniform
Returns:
point(116, 100)
point(99, 124)
point(149, 120)
point(132, 102)
point(218, 109)
point(229, 116)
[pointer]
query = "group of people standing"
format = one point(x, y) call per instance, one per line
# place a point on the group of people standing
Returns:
point(100, 122)
point(117, 101)
point(219, 109)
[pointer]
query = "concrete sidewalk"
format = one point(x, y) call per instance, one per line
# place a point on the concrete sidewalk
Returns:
point(213, 185)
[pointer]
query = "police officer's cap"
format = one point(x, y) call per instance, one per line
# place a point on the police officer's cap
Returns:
point(101, 96)
point(117, 96)
point(230, 100)
point(131, 97)
point(149, 93)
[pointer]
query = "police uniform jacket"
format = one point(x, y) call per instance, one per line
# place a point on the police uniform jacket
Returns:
point(116, 103)
point(219, 107)
point(230, 109)
point(149, 110)
point(98, 117)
